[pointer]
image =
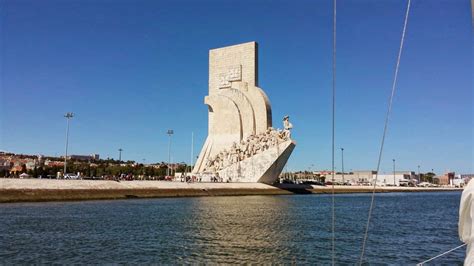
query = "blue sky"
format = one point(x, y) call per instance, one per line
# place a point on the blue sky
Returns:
point(130, 70)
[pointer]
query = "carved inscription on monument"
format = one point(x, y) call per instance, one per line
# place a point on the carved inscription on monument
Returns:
point(233, 73)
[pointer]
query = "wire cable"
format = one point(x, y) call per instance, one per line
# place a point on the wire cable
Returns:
point(442, 254)
point(389, 110)
point(333, 229)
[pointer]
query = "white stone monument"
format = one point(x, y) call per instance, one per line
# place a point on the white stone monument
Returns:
point(241, 145)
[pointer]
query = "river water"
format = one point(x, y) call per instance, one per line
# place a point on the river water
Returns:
point(407, 228)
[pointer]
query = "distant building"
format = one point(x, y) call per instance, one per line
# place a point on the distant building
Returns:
point(394, 179)
point(354, 178)
point(366, 177)
point(50, 163)
point(40, 159)
point(362, 177)
point(440, 180)
point(4, 165)
point(31, 164)
point(443, 180)
point(458, 182)
point(466, 177)
point(84, 157)
point(322, 173)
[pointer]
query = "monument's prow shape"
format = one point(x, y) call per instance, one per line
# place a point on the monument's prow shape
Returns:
point(241, 145)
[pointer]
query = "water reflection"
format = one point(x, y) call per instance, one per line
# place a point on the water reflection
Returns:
point(247, 229)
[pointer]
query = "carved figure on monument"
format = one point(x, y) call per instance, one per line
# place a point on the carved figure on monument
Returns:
point(225, 157)
point(247, 149)
point(244, 148)
point(287, 126)
point(241, 144)
point(233, 153)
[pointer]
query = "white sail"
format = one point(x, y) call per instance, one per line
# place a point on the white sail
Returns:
point(466, 225)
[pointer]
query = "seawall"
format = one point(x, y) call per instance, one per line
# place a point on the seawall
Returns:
point(29, 190)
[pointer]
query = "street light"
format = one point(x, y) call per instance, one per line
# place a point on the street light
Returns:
point(68, 117)
point(120, 154)
point(419, 176)
point(394, 172)
point(169, 132)
point(342, 159)
point(192, 153)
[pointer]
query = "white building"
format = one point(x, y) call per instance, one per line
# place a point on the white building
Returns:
point(459, 180)
point(353, 178)
point(368, 176)
point(393, 179)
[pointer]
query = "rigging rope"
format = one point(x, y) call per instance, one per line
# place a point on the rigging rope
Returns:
point(442, 254)
point(333, 243)
point(389, 110)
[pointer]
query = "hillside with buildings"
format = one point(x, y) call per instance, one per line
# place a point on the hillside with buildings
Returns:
point(92, 167)
point(81, 166)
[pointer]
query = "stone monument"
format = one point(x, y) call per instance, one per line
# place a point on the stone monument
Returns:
point(242, 145)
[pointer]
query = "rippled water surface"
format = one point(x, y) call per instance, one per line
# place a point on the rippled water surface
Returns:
point(407, 228)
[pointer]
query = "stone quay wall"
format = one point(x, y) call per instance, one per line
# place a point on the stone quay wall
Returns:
point(30, 190)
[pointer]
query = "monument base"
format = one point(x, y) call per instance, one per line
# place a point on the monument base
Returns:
point(264, 167)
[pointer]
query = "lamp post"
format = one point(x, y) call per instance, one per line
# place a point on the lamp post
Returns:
point(120, 154)
point(192, 153)
point(394, 183)
point(169, 132)
point(68, 116)
point(419, 176)
point(342, 162)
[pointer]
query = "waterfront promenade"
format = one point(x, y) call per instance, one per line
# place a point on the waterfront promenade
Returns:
point(23, 190)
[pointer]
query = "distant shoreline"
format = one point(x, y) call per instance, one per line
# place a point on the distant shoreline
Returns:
point(38, 190)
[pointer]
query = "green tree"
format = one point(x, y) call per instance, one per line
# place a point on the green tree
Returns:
point(428, 177)
point(23, 168)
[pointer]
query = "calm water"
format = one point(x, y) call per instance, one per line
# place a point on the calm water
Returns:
point(407, 228)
